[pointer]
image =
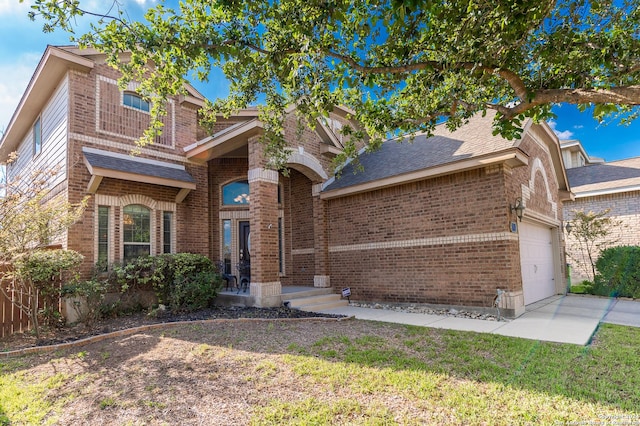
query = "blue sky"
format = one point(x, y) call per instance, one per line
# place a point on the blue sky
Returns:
point(22, 44)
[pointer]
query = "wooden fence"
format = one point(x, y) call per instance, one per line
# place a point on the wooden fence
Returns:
point(13, 319)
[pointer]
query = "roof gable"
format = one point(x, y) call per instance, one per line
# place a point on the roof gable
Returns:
point(402, 156)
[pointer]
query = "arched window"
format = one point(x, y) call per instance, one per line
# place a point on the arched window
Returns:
point(136, 231)
point(236, 193)
point(135, 101)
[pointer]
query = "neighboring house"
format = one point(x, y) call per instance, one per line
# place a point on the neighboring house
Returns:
point(432, 221)
point(574, 155)
point(599, 186)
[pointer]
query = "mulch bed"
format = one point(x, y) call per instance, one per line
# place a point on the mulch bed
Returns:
point(53, 336)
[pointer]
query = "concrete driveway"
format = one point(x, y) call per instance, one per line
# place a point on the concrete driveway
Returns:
point(564, 319)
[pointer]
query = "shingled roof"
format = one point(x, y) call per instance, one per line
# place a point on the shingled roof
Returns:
point(616, 176)
point(136, 166)
point(401, 156)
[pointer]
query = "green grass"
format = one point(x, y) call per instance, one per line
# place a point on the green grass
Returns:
point(474, 378)
point(383, 374)
point(23, 397)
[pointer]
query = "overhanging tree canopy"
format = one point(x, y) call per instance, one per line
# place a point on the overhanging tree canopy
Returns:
point(401, 66)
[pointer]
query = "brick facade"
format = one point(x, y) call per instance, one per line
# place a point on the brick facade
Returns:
point(97, 119)
point(443, 239)
point(624, 208)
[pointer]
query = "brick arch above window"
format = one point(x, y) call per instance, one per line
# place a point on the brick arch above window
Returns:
point(529, 189)
point(138, 199)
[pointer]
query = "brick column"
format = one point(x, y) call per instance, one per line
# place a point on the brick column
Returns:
point(320, 239)
point(266, 288)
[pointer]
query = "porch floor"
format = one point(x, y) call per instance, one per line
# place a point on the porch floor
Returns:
point(231, 297)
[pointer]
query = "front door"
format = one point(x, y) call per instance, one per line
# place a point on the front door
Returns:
point(244, 239)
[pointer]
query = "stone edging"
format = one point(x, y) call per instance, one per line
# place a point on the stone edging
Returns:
point(130, 331)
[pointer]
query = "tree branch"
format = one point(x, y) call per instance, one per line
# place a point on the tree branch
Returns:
point(629, 95)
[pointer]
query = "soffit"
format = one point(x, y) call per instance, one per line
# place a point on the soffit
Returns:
point(52, 67)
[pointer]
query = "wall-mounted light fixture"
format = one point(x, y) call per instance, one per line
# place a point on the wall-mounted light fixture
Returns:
point(568, 227)
point(518, 208)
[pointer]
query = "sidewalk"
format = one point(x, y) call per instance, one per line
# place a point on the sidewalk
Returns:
point(564, 319)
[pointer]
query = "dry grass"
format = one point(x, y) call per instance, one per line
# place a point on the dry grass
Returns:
point(318, 372)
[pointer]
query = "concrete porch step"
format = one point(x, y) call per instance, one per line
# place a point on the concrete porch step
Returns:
point(317, 303)
point(291, 293)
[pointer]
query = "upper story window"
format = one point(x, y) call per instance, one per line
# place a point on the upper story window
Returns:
point(135, 101)
point(236, 193)
point(37, 137)
point(335, 126)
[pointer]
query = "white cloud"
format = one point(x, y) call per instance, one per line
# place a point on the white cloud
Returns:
point(15, 77)
point(578, 126)
point(143, 3)
point(14, 7)
point(561, 134)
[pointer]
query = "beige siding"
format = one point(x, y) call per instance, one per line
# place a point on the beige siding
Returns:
point(54, 119)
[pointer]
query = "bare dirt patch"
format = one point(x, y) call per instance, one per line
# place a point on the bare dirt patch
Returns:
point(71, 333)
point(217, 372)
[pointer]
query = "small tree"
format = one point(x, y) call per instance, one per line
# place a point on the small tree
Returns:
point(31, 218)
point(591, 233)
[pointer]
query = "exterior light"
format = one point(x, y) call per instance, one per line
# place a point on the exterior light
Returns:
point(568, 227)
point(518, 208)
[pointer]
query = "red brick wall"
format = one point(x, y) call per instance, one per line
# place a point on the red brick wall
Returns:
point(192, 216)
point(221, 172)
point(465, 273)
point(301, 269)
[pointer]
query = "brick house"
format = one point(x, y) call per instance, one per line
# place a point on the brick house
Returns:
point(433, 221)
point(598, 186)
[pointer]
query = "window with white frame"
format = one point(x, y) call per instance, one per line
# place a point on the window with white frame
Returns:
point(135, 101)
point(167, 231)
point(103, 238)
point(136, 224)
point(37, 137)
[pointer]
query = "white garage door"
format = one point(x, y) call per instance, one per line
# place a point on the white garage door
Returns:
point(536, 259)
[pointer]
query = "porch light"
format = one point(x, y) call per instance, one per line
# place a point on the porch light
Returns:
point(518, 208)
point(568, 227)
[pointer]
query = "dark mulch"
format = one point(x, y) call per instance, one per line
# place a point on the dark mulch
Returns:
point(52, 336)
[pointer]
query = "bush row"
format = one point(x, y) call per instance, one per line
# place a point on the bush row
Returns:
point(182, 282)
point(618, 274)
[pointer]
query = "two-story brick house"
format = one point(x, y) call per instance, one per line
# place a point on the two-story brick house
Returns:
point(429, 222)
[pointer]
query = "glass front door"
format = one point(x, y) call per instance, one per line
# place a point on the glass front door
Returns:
point(244, 241)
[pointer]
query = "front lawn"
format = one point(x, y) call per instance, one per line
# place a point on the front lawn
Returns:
point(326, 372)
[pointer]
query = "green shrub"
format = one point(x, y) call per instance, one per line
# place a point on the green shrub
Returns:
point(87, 298)
point(618, 272)
point(193, 292)
point(183, 282)
point(46, 271)
point(578, 289)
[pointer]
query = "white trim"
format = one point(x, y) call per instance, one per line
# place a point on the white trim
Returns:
point(224, 141)
point(422, 242)
point(530, 189)
point(513, 158)
point(308, 162)
point(262, 175)
point(132, 86)
point(316, 189)
point(129, 148)
point(598, 192)
point(132, 158)
point(304, 251)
